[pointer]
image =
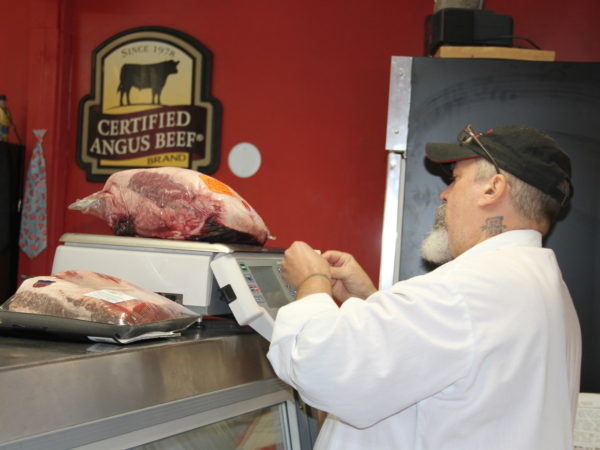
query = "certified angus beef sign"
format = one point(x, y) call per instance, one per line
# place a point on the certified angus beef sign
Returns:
point(149, 105)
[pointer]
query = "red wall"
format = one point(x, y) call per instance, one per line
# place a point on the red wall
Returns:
point(306, 82)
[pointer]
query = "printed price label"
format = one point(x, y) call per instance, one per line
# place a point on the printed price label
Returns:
point(110, 296)
point(587, 422)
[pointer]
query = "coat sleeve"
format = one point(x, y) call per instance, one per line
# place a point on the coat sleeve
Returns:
point(371, 359)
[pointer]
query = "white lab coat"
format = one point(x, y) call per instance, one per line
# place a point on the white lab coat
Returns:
point(482, 353)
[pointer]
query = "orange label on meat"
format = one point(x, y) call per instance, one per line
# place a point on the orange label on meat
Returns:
point(217, 186)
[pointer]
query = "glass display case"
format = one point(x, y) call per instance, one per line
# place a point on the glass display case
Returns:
point(205, 389)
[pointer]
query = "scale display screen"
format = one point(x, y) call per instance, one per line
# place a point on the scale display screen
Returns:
point(264, 279)
point(254, 287)
point(270, 286)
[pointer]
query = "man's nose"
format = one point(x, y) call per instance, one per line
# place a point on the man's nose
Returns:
point(444, 194)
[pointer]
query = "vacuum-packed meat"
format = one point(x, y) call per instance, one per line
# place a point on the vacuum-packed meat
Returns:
point(84, 295)
point(174, 203)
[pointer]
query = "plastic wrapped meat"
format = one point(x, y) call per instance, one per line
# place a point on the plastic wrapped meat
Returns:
point(174, 203)
point(95, 297)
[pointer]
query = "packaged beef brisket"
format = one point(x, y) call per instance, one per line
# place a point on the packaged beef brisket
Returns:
point(94, 297)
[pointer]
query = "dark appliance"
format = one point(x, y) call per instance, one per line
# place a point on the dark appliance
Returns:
point(458, 26)
point(11, 184)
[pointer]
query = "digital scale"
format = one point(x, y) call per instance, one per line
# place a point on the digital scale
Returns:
point(209, 279)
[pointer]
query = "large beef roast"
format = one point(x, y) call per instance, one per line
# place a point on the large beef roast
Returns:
point(174, 203)
point(79, 294)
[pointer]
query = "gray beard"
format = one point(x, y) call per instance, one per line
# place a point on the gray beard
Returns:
point(435, 247)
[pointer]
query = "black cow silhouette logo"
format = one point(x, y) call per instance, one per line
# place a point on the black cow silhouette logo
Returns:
point(145, 76)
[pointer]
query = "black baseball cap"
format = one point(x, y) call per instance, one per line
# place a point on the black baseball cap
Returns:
point(525, 152)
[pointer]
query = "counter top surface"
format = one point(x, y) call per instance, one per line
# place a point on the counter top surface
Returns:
point(58, 384)
point(19, 349)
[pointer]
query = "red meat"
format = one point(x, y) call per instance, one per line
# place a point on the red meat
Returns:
point(79, 294)
point(174, 203)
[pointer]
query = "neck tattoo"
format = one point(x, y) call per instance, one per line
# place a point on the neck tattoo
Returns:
point(493, 226)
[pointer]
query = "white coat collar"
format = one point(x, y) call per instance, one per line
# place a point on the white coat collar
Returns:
point(513, 238)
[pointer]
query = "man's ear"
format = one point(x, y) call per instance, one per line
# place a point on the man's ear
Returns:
point(494, 190)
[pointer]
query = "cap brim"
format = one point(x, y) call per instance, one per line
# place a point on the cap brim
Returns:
point(447, 153)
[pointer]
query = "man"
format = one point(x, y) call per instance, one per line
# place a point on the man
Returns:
point(482, 353)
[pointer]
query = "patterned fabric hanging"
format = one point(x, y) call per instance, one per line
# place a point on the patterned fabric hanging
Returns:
point(33, 237)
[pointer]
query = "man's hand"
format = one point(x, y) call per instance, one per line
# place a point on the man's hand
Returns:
point(348, 277)
point(306, 270)
point(335, 273)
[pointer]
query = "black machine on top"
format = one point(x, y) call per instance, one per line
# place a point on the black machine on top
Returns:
point(470, 27)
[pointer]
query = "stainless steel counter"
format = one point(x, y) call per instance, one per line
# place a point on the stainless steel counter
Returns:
point(49, 385)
